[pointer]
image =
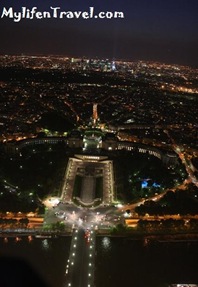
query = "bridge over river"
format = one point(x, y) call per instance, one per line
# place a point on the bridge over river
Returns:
point(79, 271)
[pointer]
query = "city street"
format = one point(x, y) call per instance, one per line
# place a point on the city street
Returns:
point(102, 217)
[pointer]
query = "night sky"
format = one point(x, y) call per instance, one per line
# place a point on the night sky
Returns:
point(153, 30)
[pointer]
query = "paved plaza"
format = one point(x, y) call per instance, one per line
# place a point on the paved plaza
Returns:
point(89, 168)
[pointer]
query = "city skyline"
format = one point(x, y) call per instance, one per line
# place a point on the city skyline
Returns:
point(104, 153)
point(161, 31)
point(98, 142)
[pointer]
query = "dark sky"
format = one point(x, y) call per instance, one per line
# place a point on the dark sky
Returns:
point(162, 30)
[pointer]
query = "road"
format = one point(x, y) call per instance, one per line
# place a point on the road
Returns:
point(185, 160)
point(188, 165)
point(79, 271)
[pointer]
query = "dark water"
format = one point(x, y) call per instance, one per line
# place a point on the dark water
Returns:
point(47, 257)
point(119, 262)
point(122, 262)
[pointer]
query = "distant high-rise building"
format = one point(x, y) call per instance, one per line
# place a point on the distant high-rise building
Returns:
point(113, 66)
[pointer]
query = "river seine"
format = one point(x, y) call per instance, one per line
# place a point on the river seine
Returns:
point(119, 261)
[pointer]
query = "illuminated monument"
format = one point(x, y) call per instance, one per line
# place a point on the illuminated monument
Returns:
point(95, 118)
point(92, 139)
point(95, 113)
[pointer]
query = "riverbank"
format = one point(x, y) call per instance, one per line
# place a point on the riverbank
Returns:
point(134, 235)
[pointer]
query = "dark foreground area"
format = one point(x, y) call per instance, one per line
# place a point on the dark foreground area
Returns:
point(119, 262)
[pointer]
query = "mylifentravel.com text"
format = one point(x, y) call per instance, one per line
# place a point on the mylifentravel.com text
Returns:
point(58, 13)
